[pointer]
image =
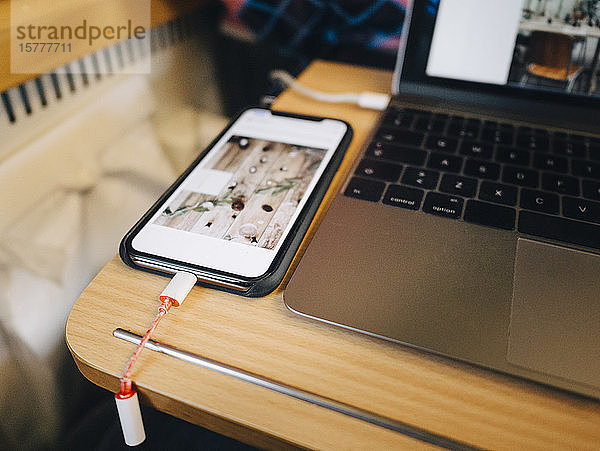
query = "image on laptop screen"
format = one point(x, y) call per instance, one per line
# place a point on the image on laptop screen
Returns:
point(551, 45)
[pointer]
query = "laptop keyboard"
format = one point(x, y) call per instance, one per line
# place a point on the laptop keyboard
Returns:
point(539, 182)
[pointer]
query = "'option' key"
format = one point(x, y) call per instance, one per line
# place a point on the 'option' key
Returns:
point(443, 205)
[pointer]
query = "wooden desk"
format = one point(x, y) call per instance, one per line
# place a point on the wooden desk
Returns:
point(440, 396)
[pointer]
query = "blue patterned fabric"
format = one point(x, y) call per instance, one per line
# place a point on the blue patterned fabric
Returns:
point(307, 27)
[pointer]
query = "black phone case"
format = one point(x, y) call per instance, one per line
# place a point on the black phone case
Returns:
point(250, 287)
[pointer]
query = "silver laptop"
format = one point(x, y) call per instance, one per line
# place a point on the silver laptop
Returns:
point(470, 226)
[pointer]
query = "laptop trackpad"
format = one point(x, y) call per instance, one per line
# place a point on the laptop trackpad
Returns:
point(555, 319)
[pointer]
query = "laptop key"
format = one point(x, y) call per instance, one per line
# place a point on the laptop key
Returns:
point(441, 143)
point(421, 178)
point(400, 120)
point(468, 129)
point(365, 189)
point(445, 162)
point(497, 136)
point(482, 169)
point(426, 124)
point(539, 143)
point(520, 176)
point(399, 136)
point(400, 154)
point(443, 205)
point(569, 148)
point(591, 189)
point(396, 111)
point(403, 197)
point(461, 186)
point(498, 193)
point(586, 169)
point(562, 184)
point(491, 215)
point(539, 201)
point(561, 229)
point(437, 125)
point(550, 162)
point(476, 149)
point(513, 156)
point(584, 210)
point(422, 124)
point(594, 150)
point(378, 170)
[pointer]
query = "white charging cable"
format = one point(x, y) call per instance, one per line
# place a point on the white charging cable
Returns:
point(366, 99)
point(128, 405)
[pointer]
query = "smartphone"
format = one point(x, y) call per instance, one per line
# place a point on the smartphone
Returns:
point(238, 214)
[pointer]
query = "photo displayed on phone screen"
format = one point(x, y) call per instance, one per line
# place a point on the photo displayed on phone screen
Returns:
point(247, 193)
point(237, 205)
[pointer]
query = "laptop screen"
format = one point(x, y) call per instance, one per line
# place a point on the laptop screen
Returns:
point(506, 45)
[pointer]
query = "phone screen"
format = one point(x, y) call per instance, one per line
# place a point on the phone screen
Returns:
point(235, 208)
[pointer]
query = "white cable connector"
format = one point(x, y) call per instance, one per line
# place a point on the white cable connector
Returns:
point(178, 288)
point(373, 100)
point(366, 99)
point(128, 405)
point(130, 417)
